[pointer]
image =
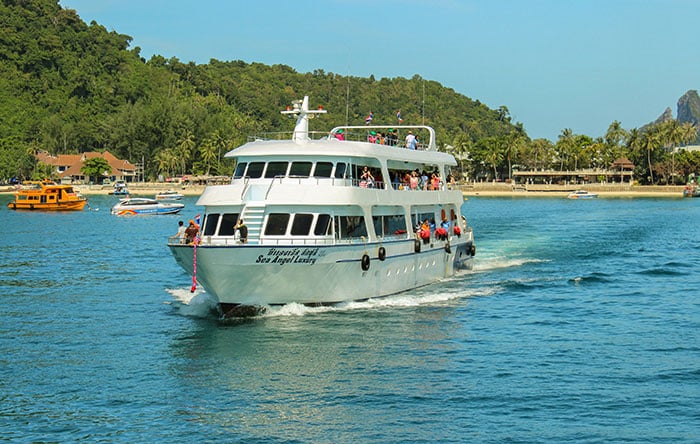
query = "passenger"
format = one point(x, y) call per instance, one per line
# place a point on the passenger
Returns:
point(191, 232)
point(441, 232)
point(391, 137)
point(339, 134)
point(435, 182)
point(411, 141)
point(380, 138)
point(366, 179)
point(180, 235)
point(242, 231)
point(424, 182)
point(425, 232)
point(413, 182)
point(372, 138)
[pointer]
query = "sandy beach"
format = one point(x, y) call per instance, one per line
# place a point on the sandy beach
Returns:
point(471, 190)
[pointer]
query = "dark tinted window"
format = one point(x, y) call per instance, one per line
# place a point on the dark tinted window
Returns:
point(323, 169)
point(275, 169)
point(340, 170)
point(302, 224)
point(240, 169)
point(301, 169)
point(255, 170)
point(210, 224)
point(323, 224)
point(276, 224)
point(228, 221)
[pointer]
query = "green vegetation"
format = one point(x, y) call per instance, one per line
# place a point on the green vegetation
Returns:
point(70, 87)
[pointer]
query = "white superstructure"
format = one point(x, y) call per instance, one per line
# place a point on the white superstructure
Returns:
point(329, 220)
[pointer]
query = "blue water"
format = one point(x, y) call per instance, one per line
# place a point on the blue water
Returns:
point(579, 323)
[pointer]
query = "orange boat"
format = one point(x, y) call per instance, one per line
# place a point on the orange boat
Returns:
point(47, 196)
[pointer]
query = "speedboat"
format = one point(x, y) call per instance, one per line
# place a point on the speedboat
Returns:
point(134, 206)
point(48, 196)
point(582, 194)
point(169, 195)
point(294, 225)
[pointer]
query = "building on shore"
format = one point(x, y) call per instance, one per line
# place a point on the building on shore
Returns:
point(68, 166)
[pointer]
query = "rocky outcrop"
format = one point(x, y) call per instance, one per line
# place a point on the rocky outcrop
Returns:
point(689, 108)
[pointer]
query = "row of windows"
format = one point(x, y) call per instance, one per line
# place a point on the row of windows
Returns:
point(312, 224)
point(269, 170)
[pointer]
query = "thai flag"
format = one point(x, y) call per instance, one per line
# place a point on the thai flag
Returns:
point(369, 118)
point(198, 219)
point(398, 116)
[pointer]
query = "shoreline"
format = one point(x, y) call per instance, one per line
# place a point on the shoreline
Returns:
point(476, 190)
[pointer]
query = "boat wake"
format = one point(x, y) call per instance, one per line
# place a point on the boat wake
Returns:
point(201, 305)
point(196, 305)
point(497, 263)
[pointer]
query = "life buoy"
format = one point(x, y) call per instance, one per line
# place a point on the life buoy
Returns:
point(448, 250)
point(381, 254)
point(424, 234)
point(458, 231)
point(365, 262)
point(416, 246)
point(472, 250)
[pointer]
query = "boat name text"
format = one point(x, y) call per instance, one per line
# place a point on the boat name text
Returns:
point(291, 256)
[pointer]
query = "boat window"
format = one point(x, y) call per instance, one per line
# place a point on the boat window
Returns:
point(277, 224)
point(300, 169)
point(275, 169)
point(323, 224)
point(323, 169)
point(240, 170)
point(302, 224)
point(210, 221)
point(228, 221)
point(389, 225)
point(340, 168)
point(419, 218)
point(255, 170)
point(351, 227)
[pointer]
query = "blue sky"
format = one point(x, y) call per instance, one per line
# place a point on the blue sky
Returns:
point(556, 64)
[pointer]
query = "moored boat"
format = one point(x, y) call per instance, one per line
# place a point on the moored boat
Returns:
point(169, 195)
point(331, 217)
point(582, 194)
point(119, 189)
point(135, 206)
point(691, 190)
point(47, 196)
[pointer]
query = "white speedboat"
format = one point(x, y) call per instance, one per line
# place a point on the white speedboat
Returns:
point(582, 194)
point(169, 195)
point(315, 233)
point(136, 206)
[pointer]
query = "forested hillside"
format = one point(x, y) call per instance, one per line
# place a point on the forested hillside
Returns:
point(70, 87)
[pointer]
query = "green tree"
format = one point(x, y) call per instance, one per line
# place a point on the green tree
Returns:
point(95, 167)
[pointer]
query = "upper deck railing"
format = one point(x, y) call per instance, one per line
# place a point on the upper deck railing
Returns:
point(378, 134)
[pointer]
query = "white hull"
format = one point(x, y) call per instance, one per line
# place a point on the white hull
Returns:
point(271, 275)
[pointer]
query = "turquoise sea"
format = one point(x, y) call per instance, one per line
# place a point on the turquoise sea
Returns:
point(580, 323)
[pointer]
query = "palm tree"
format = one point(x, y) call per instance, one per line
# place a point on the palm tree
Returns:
point(651, 140)
point(183, 151)
point(565, 145)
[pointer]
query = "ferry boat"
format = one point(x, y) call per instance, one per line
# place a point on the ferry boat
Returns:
point(47, 196)
point(135, 206)
point(330, 217)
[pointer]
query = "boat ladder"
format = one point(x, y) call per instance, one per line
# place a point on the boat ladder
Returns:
point(253, 217)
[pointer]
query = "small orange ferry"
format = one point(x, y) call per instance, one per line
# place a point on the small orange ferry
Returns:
point(47, 196)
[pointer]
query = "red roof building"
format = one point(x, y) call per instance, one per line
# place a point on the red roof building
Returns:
point(68, 166)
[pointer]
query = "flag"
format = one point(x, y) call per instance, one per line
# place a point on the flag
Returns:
point(369, 118)
point(398, 116)
point(197, 219)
